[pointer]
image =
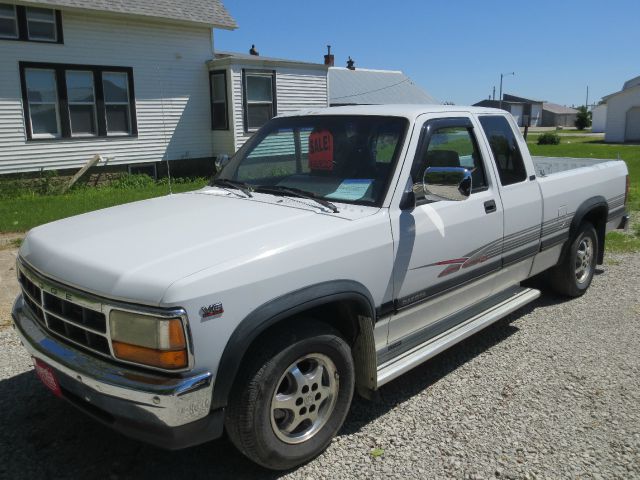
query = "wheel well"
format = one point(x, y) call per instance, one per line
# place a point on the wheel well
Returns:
point(598, 218)
point(352, 319)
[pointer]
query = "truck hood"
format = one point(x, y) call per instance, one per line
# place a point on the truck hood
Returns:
point(134, 252)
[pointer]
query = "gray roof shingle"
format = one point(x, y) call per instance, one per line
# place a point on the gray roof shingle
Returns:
point(558, 109)
point(373, 87)
point(208, 12)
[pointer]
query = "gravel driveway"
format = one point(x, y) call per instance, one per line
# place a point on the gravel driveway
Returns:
point(553, 391)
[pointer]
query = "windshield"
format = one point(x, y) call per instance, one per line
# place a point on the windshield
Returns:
point(336, 158)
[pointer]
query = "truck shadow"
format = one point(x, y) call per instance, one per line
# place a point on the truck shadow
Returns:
point(42, 437)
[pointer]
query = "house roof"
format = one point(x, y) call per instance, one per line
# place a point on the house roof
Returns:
point(208, 12)
point(558, 109)
point(517, 98)
point(373, 87)
point(225, 57)
point(628, 85)
point(495, 103)
point(634, 82)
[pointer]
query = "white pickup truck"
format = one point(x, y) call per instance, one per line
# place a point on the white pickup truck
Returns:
point(336, 250)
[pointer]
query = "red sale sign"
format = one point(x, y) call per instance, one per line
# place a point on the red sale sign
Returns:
point(321, 150)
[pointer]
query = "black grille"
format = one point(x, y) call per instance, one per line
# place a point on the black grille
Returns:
point(70, 321)
point(75, 313)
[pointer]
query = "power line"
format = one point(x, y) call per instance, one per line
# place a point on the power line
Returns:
point(373, 91)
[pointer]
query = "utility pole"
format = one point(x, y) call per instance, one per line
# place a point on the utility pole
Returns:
point(586, 104)
point(494, 92)
point(503, 75)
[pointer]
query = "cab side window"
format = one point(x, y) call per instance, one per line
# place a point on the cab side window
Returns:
point(451, 147)
point(505, 149)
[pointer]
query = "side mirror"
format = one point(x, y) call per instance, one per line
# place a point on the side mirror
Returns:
point(447, 183)
point(221, 161)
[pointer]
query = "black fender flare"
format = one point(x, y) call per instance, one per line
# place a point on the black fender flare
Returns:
point(274, 311)
point(590, 204)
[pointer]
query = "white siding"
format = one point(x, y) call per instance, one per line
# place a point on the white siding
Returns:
point(296, 89)
point(168, 62)
point(617, 108)
point(599, 118)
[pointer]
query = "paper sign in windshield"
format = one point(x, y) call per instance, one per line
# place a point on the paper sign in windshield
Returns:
point(321, 150)
point(351, 189)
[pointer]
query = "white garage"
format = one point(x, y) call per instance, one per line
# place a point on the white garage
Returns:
point(623, 113)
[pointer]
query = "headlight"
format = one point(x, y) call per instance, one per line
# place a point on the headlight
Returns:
point(154, 341)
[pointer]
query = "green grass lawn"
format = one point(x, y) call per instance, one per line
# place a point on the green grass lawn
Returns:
point(19, 213)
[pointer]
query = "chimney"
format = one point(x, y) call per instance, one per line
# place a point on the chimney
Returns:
point(350, 64)
point(328, 58)
point(253, 51)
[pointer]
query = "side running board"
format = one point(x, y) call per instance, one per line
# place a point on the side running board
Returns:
point(421, 353)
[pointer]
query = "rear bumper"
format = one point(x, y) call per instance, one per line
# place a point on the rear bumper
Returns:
point(169, 412)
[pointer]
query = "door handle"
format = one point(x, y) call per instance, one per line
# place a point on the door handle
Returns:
point(490, 206)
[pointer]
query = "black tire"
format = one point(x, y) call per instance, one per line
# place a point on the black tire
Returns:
point(250, 423)
point(564, 278)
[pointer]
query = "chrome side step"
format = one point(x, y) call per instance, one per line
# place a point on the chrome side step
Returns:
point(421, 353)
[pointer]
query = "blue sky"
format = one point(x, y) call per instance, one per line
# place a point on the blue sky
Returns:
point(457, 50)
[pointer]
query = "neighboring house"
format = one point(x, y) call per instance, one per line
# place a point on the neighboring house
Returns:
point(623, 113)
point(523, 109)
point(127, 80)
point(599, 118)
point(248, 90)
point(554, 115)
point(351, 86)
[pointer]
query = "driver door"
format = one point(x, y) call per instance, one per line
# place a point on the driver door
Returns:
point(445, 250)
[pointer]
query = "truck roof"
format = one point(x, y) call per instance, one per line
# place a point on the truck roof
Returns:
point(410, 111)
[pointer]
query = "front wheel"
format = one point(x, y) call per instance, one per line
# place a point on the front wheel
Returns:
point(292, 397)
point(573, 275)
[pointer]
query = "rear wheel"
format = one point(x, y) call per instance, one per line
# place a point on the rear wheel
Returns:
point(292, 397)
point(573, 275)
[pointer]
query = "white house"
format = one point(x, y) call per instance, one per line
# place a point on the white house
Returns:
point(599, 118)
point(623, 113)
point(127, 80)
point(136, 82)
point(248, 90)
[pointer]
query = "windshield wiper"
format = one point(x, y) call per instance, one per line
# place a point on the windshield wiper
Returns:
point(242, 186)
point(295, 192)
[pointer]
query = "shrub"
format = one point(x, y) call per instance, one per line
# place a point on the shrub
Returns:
point(583, 118)
point(549, 139)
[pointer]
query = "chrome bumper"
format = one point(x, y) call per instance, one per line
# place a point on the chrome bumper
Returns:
point(143, 405)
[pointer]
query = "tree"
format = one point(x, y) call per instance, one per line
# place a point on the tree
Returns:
point(583, 118)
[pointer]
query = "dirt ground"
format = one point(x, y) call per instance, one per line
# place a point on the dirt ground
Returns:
point(8, 281)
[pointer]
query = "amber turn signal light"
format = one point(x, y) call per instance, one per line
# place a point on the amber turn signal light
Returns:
point(167, 359)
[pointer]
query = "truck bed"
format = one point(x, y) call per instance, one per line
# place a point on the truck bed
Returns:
point(546, 166)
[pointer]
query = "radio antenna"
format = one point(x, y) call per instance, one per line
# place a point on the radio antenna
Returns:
point(164, 130)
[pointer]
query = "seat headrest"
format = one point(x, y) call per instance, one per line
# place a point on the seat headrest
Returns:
point(443, 158)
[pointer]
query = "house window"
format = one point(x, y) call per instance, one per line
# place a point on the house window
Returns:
point(82, 103)
point(219, 116)
point(42, 98)
point(33, 24)
point(117, 103)
point(41, 24)
point(8, 21)
point(64, 101)
point(259, 98)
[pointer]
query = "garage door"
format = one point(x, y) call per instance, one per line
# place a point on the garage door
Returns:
point(632, 129)
point(516, 111)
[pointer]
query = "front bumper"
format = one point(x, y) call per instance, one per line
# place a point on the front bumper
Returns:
point(167, 411)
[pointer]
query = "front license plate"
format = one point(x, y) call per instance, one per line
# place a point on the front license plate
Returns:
point(47, 376)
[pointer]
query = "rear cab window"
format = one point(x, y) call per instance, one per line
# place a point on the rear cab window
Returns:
point(504, 146)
